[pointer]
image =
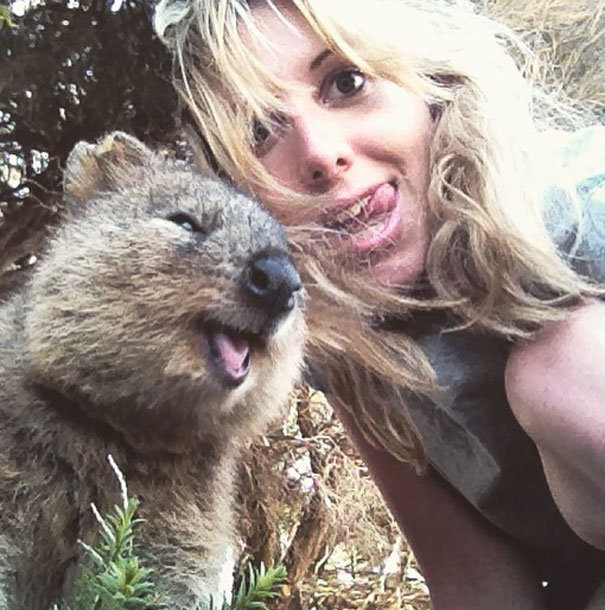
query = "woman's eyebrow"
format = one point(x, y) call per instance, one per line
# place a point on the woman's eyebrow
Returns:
point(317, 61)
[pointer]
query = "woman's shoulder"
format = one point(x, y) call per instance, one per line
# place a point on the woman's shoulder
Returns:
point(561, 356)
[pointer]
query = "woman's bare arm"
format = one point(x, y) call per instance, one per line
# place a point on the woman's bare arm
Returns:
point(467, 564)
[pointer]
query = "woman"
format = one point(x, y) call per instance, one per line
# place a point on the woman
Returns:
point(454, 264)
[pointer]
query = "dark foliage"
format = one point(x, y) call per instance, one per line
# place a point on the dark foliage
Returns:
point(72, 70)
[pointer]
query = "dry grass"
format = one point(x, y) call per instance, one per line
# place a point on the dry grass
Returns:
point(569, 38)
point(309, 502)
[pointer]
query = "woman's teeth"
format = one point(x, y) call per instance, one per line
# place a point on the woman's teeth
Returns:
point(370, 223)
point(352, 213)
point(377, 220)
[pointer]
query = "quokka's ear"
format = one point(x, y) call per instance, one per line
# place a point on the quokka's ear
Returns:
point(91, 168)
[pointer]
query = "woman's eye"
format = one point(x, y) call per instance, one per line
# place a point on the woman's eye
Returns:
point(345, 83)
point(260, 133)
point(185, 221)
point(264, 134)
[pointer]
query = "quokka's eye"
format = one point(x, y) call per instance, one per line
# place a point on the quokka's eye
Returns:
point(185, 221)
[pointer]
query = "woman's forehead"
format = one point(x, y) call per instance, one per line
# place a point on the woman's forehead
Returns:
point(277, 19)
point(282, 40)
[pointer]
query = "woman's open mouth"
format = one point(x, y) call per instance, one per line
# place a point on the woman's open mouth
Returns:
point(372, 222)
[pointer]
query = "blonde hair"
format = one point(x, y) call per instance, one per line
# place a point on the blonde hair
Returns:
point(491, 263)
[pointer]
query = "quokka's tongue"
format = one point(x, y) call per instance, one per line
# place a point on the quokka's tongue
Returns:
point(232, 352)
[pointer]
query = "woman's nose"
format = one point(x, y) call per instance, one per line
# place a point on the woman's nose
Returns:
point(324, 152)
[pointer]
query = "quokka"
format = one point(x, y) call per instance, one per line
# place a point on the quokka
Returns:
point(163, 325)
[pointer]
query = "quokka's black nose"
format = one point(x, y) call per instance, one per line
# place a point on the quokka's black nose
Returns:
point(271, 281)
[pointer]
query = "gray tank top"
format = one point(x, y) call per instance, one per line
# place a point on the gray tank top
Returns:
point(469, 432)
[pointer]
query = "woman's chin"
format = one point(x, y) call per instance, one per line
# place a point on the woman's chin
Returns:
point(399, 270)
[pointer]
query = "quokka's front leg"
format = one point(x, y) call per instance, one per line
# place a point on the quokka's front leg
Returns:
point(192, 561)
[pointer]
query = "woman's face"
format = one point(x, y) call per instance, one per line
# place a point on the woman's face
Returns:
point(362, 142)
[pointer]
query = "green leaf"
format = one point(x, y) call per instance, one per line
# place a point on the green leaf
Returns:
point(6, 17)
point(263, 583)
point(115, 580)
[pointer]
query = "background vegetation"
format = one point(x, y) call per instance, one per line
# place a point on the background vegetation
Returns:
point(75, 69)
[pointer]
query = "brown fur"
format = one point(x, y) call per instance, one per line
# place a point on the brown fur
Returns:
point(102, 352)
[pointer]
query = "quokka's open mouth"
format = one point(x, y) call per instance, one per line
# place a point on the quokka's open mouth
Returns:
point(230, 351)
